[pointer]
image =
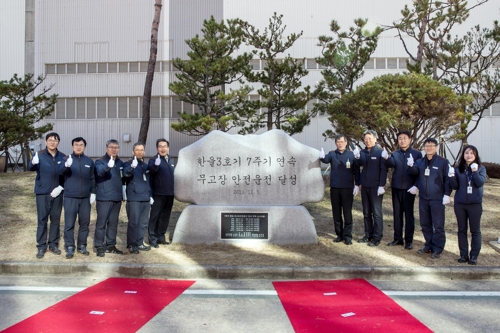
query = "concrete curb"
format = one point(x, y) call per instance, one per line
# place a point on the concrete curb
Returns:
point(250, 272)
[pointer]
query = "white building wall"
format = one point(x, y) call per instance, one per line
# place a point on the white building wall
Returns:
point(12, 32)
point(114, 31)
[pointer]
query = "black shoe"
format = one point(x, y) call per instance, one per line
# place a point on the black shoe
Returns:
point(364, 240)
point(83, 250)
point(154, 244)
point(374, 243)
point(463, 259)
point(55, 250)
point(133, 249)
point(424, 251)
point(473, 260)
point(101, 252)
point(143, 247)
point(348, 241)
point(435, 255)
point(409, 246)
point(40, 253)
point(338, 239)
point(112, 249)
point(395, 242)
point(163, 242)
point(70, 252)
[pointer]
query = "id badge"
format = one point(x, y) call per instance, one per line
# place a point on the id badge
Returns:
point(144, 177)
point(348, 164)
point(427, 172)
point(469, 189)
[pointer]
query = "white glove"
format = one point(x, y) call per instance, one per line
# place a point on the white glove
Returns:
point(380, 190)
point(158, 160)
point(35, 159)
point(451, 171)
point(385, 155)
point(134, 163)
point(321, 153)
point(55, 192)
point(356, 153)
point(410, 161)
point(413, 190)
point(92, 198)
point(446, 199)
point(124, 192)
point(474, 167)
point(355, 192)
point(111, 162)
point(69, 161)
point(151, 201)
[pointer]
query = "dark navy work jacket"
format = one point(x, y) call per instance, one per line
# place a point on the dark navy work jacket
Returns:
point(48, 169)
point(138, 181)
point(401, 177)
point(460, 182)
point(162, 176)
point(437, 184)
point(340, 175)
point(108, 180)
point(79, 178)
point(374, 171)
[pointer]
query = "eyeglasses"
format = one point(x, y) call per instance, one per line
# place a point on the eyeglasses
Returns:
point(430, 146)
point(114, 147)
point(52, 140)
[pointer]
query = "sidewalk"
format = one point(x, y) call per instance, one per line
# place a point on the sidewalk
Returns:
point(249, 272)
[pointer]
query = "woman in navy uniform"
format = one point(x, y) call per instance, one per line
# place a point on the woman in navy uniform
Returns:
point(468, 183)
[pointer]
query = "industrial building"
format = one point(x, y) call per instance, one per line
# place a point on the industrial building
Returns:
point(95, 52)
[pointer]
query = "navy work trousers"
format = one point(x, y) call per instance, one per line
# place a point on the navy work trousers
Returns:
point(341, 199)
point(106, 225)
point(469, 215)
point(159, 218)
point(372, 212)
point(74, 207)
point(137, 212)
point(432, 223)
point(48, 207)
point(402, 206)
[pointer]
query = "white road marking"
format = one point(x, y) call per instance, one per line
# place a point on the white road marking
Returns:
point(271, 292)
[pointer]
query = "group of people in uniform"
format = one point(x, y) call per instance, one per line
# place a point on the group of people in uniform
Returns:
point(427, 174)
point(75, 181)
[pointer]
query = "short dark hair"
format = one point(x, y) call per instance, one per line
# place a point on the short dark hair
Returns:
point(138, 144)
point(162, 140)
point(340, 136)
point(52, 134)
point(372, 132)
point(112, 141)
point(78, 139)
point(434, 141)
point(405, 132)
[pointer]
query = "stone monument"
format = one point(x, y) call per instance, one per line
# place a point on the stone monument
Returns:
point(248, 187)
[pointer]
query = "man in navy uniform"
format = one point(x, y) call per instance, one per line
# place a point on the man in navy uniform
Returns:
point(403, 191)
point(161, 168)
point(434, 193)
point(79, 194)
point(373, 177)
point(139, 199)
point(48, 188)
point(109, 196)
point(344, 185)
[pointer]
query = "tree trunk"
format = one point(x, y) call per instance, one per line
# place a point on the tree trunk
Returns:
point(146, 100)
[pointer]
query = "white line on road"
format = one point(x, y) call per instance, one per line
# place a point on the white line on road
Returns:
point(271, 292)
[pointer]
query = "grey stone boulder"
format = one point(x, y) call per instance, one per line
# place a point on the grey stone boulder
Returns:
point(267, 169)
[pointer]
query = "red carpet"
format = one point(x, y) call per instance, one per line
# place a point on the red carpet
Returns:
point(113, 305)
point(310, 310)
